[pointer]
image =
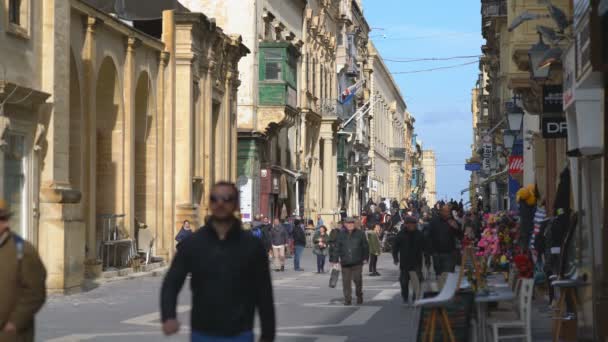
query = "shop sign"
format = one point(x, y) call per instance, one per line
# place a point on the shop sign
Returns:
point(488, 150)
point(554, 127)
point(580, 9)
point(472, 167)
point(275, 186)
point(552, 99)
point(583, 48)
point(516, 164)
point(569, 79)
point(245, 185)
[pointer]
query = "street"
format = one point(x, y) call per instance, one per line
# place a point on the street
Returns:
point(307, 310)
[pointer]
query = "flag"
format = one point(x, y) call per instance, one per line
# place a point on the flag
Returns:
point(350, 92)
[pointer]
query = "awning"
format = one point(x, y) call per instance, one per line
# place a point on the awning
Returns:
point(137, 9)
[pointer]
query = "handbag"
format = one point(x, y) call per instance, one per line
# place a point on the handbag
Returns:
point(539, 273)
point(333, 277)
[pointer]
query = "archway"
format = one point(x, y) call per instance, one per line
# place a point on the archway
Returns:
point(145, 159)
point(110, 144)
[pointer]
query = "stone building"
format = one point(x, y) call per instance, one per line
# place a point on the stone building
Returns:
point(125, 118)
point(388, 131)
point(429, 165)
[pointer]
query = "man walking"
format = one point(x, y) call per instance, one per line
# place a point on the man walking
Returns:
point(299, 240)
point(230, 278)
point(278, 239)
point(407, 253)
point(22, 283)
point(443, 233)
point(351, 251)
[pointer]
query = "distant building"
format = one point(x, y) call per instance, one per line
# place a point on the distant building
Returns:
point(429, 165)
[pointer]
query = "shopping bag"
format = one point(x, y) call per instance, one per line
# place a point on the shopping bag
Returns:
point(333, 277)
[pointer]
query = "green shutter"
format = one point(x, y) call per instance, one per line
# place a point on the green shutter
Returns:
point(262, 65)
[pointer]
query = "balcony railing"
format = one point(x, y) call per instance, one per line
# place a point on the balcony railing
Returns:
point(494, 8)
point(398, 153)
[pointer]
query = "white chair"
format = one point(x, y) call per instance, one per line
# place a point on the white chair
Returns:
point(437, 305)
point(523, 322)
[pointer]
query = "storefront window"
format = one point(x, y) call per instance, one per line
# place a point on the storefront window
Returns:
point(14, 182)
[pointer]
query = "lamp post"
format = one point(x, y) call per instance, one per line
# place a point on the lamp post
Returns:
point(509, 138)
point(515, 119)
point(536, 54)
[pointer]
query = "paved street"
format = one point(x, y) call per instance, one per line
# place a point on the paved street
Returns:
point(307, 310)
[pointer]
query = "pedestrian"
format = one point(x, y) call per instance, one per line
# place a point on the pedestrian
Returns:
point(299, 241)
point(373, 240)
point(407, 253)
point(230, 278)
point(444, 232)
point(278, 240)
point(321, 247)
point(184, 233)
point(351, 251)
point(257, 230)
point(22, 283)
point(319, 221)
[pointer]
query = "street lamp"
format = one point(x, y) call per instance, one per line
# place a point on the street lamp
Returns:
point(536, 54)
point(509, 138)
point(515, 119)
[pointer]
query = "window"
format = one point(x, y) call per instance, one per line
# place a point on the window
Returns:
point(14, 187)
point(14, 11)
point(273, 61)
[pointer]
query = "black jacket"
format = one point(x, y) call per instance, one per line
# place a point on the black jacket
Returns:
point(299, 237)
point(442, 236)
point(351, 249)
point(230, 279)
point(408, 248)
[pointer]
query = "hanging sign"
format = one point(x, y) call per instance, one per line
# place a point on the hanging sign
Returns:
point(472, 167)
point(516, 164)
point(553, 99)
point(554, 127)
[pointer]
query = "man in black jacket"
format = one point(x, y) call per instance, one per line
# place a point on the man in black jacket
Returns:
point(351, 251)
point(230, 277)
point(443, 233)
point(299, 241)
point(407, 253)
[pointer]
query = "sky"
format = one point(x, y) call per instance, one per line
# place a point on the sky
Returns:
point(439, 100)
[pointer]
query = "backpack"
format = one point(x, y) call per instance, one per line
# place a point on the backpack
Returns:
point(257, 232)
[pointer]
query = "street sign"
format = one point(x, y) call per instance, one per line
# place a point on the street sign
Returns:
point(516, 165)
point(472, 166)
point(554, 127)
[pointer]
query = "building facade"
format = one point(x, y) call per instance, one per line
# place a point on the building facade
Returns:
point(387, 127)
point(95, 134)
point(429, 165)
point(562, 138)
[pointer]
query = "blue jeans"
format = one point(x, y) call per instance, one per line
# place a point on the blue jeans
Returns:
point(202, 337)
point(297, 256)
point(320, 263)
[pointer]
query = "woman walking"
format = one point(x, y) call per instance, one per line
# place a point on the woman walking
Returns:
point(373, 240)
point(320, 248)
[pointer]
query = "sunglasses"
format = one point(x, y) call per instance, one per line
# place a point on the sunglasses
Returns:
point(223, 199)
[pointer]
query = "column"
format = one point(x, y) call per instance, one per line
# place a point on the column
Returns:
point(61, 235)
point(129, 84)
point(163, 242)
point(89, 126)
point(184, 139)
point(329, 177)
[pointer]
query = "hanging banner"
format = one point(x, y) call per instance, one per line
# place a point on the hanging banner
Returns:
point(245, 185)
point(554, 127)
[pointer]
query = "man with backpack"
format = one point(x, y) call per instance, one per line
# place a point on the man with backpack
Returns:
point(22, 283)
point(257, 230)
point(299, 240)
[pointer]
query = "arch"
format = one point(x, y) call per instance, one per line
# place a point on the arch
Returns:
point(110, 142)
point(146, 145)
point(76, 125)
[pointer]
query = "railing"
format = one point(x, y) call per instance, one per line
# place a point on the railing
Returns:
point(494, 8)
